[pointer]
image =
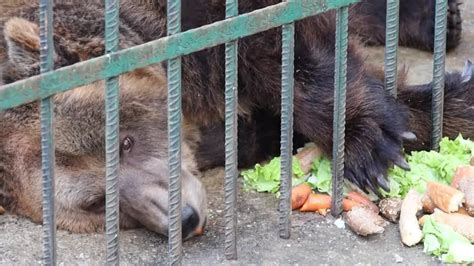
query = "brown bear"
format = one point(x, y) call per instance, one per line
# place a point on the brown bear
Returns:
point(377, 123)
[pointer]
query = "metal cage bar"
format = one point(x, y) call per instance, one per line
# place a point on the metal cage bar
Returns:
point(391, 46)
point(157, 51)
point(174, 139)
point(339, 121)
point(47, 134)
point(112, 144)
point(286, 141)
point(439, 58)
point(231, 139)
point(176, 44)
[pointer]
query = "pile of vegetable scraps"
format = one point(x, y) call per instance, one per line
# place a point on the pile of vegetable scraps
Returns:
point(432, 203)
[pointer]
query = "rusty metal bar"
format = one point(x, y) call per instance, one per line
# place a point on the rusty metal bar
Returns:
point(112, 145)
point(231, 139)
point(286, 141)
point(439, 58)
point(47, 134)
point(163, 49)
point(339, 122)
point(174, 140)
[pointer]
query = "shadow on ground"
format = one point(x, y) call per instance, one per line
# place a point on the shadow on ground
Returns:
point(315, 239)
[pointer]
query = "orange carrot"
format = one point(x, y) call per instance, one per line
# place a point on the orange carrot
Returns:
point(348, 204)
point(357, 197)
point(299, 195)
point(315, 202)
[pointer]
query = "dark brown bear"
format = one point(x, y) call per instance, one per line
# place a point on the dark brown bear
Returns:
point(376, 122)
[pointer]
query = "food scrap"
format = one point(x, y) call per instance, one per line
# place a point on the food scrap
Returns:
point(466, 185)
point(363, 200)
point(428, 205)
point(464, 181)
point(409, 228)
point(440, 186)
point(390, 209)
point(462, 224)
point(445, 197)
point(363, 221)
point(443, 242)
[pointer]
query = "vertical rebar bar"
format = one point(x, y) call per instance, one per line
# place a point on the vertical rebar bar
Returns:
point(391, 46)
point(231, 139)
point(339, 122)
point(47, 135)
point(286, 141)
point(438, 72)
point(112, 137)
point(174, 139)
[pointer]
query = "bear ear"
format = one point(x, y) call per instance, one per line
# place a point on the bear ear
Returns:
point(23, 44)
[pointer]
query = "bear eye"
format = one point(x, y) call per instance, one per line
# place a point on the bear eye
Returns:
point(127, 144)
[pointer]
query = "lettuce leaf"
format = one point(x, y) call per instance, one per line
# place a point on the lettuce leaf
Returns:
point(321, 175)
point(443, 242)
point(266, 178)
point(430, 166)
point(425, 166)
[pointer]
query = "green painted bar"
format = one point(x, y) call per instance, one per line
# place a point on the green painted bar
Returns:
point(339, 122)
point(163, 49)
point(47, 135)
point(112, 144)
point(175, 238)
point(231, 150)
point(439, 58)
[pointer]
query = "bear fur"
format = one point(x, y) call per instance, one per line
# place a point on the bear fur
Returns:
point(377, 125)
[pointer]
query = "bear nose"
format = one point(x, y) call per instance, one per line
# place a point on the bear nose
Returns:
point(190, 219)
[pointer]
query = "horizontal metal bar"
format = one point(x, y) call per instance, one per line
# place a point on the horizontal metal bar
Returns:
point(165, 48)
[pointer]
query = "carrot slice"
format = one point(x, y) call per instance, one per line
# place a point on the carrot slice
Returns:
point(316, 202)
point(357, 197)
point(299, 195)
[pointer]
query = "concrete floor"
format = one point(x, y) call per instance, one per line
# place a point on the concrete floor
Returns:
point(315, 239)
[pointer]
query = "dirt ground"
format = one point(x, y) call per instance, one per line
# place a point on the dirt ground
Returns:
point(315, 239)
